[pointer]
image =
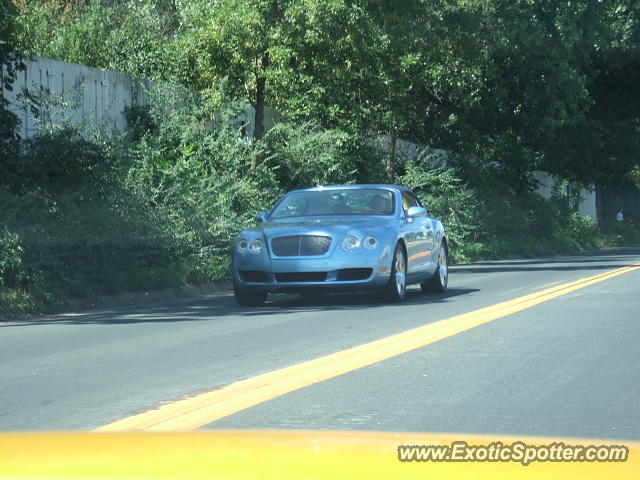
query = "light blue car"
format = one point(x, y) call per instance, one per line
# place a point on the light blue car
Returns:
point(337, 238)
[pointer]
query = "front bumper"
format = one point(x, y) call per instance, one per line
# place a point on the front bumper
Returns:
point(339, 270)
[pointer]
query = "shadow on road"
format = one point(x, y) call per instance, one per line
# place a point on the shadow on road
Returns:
point(618, 258)
point(522, 267)
point(225, 306)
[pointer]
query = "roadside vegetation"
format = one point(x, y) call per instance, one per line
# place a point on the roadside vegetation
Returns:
point(532, 85)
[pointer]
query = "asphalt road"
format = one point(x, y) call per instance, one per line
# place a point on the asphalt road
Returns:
point(568, 367)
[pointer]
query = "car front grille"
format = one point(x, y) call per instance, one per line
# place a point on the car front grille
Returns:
point(300, 245)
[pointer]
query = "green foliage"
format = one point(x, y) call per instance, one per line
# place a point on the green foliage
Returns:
point(139, 121)
point(634, 176)
point(306, 155)
point(447, 197)
point(196, 174)
point(10, 257)
point(239, 42)
point(485, 219)
point(61, 161)
point(128, 36)
point(620, 234)
point(578, 232)
point(158, 207)
point(524, 84)
point(615, 93)
point(9, 64)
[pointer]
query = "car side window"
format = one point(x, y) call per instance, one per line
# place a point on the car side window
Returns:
point(408, 200)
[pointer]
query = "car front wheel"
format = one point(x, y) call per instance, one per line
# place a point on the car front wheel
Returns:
point(397, 287)
point(248, 297)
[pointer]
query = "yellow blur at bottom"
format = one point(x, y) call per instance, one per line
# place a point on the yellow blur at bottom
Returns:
point(274, 455)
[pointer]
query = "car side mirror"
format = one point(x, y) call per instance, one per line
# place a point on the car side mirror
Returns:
point(416, 211)
point(261, 217)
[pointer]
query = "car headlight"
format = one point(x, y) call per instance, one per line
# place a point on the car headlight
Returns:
point(350, 243)
point(370, 242)
point(242, 244)
point(256, 246)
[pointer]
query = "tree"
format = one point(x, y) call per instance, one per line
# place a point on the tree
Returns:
point(238, 42)
point(128, 36)
point(379, 68)
point(616, 95)
point(9, 64)
point(527, 84)
point(534, 86)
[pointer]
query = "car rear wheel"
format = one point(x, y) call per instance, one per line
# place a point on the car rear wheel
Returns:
point(438, 283)
point(248, 297)
point(396, 289)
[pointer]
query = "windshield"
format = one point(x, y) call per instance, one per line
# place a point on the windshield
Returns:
point(335, 202)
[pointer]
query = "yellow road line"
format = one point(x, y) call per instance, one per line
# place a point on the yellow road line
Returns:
point(194, 412)
point(276, 455)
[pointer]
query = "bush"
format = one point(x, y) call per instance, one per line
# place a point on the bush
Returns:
point(102, 216)
point(61, 161)
point(576, 232)
point(485, 218)
point(307, 155)
point(10, 257)
point(195, 173)
point(620, 234)
point(450, 199)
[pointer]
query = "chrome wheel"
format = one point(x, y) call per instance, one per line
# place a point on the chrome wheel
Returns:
point(443, 270)
point(400, 273)
point(438, 282)
point(396, 288)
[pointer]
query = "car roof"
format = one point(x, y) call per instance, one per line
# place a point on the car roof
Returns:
point(379, 186)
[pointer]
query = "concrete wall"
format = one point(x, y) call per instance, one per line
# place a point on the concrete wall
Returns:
point(97, 97)
point(587, 205)
point(93, 96)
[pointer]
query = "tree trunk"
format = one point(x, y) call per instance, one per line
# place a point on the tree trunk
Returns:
point(391, 158)
point(599, 212)
point(258, 130)
point(261, 81)
point(258, 119)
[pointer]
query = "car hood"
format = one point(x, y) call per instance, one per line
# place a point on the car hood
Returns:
point(329, 225)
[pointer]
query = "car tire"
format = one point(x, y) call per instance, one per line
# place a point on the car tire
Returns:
point(438, 283)
point(396, 289)
point(249, 297)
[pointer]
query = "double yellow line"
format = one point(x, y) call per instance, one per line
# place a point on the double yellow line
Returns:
point(197, 411)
